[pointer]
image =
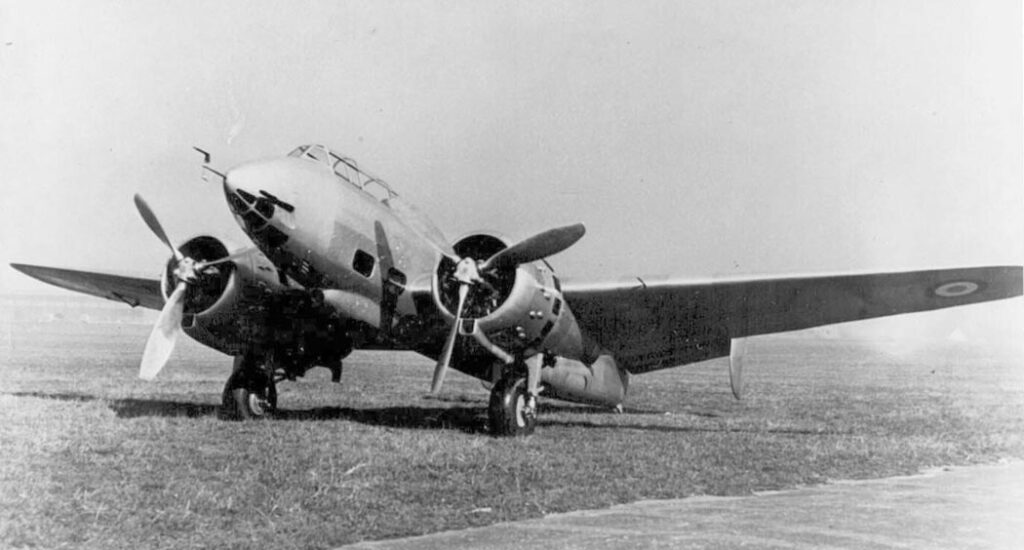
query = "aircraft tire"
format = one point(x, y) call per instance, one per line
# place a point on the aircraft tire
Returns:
point(506, 410)
point(251, 397)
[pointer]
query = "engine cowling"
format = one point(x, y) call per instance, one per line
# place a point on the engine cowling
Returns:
point(225, 308)
point(520, 310)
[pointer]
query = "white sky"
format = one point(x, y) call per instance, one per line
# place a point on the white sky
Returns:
point(693, 138)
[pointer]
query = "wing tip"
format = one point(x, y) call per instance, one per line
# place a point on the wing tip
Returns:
point(30, 270)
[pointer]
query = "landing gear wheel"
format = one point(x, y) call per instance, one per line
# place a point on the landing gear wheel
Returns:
point(509, 412)
point(248, 396)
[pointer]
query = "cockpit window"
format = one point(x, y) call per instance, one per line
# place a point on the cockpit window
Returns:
point(379, 192)
point(317, 153)
point(343, 171)
point(347, 171)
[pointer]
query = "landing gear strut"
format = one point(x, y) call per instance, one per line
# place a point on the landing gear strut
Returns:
point(250, 392)
point(511, 412)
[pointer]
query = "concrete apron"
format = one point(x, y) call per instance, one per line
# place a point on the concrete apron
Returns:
point(961, 507)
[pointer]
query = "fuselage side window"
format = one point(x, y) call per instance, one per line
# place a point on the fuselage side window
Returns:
point(363, 263)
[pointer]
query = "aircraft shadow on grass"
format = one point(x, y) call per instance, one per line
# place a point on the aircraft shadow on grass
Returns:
point(465, 418)
point(697, 429)
point(131, 407)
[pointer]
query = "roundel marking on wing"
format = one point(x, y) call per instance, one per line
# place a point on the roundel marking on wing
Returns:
point(956, 289)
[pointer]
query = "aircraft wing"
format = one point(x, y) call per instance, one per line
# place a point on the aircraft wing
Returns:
point(652, 325)
point(133, 291)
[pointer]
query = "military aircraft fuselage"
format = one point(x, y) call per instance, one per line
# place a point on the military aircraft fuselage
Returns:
point(333, 228)
point(325, 231)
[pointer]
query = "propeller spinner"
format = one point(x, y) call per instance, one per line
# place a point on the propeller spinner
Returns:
point(468, 274)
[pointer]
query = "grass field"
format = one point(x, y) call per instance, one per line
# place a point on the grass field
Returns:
point(94, 458)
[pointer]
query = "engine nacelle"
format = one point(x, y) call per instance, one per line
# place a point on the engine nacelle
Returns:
point(521, 311)
point(225, 308)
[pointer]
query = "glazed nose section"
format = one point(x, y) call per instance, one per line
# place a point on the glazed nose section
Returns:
point(242, 185)
point(250, 192)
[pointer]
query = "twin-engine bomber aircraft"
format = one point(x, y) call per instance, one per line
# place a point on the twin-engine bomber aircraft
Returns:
point(342, 262)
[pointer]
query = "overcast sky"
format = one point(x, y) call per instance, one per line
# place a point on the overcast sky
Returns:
point(693, 138)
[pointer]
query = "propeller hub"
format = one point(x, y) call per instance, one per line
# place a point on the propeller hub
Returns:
point(467, 272)
point(187, 270)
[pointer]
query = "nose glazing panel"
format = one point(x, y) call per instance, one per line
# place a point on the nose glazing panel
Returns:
point(254, 214)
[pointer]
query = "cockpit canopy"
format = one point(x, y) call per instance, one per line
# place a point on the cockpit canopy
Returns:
point(347, 170)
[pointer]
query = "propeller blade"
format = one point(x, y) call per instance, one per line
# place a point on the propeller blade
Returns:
point(737, 351)
point(229, 258)
point(164, 336)
point(154, 225)
point(535, 248)
point(449, 345)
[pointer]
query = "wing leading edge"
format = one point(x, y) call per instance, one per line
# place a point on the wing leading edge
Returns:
point(664, 324)
point(133, 291)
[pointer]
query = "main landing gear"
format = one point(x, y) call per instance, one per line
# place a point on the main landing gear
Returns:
point(250, 392)
point(512, 410)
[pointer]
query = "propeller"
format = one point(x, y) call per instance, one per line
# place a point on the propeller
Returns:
point(446, 355)
point(186, 271)
point(164, 335)
point(154, 225)
point(535, 248)
point(468, 270)
point(236, 255)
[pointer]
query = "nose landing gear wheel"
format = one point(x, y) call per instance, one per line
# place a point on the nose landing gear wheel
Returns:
point(509, 412)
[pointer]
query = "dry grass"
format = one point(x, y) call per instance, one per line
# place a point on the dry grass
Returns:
point(94, 458)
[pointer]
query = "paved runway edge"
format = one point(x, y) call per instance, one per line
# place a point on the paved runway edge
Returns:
point(958, 507)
